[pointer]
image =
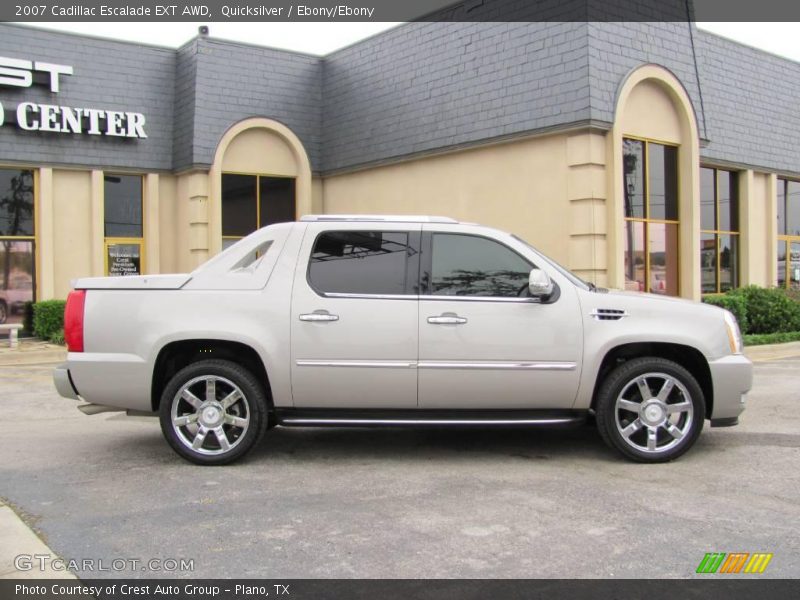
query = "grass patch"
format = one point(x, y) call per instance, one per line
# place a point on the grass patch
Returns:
point(760, 339)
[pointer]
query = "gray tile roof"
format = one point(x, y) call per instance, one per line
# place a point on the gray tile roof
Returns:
point(751, 100)
point(425, 86)
point(415, 89)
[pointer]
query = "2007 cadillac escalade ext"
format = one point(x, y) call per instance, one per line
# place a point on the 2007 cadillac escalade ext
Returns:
point(397, 321)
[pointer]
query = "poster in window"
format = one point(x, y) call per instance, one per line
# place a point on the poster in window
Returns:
point(124, 259)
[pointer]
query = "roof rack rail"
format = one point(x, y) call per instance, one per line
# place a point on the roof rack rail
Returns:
point(380, 218)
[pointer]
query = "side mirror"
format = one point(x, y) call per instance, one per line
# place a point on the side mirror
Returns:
point(539, 284)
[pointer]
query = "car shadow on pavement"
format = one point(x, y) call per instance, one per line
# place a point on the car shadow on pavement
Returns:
point(392, 444)
point(449, 444)
point(442, 444)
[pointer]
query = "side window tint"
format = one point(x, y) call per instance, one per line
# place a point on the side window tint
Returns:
point(465, 265)
point(360, 262)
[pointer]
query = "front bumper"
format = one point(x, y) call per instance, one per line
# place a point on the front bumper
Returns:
point(732, 378)
point(63, 382)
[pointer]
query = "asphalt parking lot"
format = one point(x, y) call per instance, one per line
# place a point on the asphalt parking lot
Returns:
point(400, 503)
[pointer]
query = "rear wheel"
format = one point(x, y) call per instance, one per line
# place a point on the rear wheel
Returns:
point(650, 409)
point(213, 412)
point(3, 312)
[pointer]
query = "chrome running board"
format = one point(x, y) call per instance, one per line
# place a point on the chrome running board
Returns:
point(320, 417)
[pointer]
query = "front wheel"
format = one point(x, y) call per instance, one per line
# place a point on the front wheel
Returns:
point(650, 409)
point(213, 412)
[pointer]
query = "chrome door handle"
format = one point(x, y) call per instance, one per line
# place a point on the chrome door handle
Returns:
point(319, 317)
point(447, 320)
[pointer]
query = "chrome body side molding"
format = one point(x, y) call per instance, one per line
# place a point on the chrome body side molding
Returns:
point(435, 364)
point(499, 366)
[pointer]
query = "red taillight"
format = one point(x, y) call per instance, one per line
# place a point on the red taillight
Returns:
point(73, 320)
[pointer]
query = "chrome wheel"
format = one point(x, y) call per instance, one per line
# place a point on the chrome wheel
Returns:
point(210, 415)
point(654, 412)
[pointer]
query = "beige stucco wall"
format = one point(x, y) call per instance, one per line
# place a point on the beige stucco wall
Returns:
point(587, 196)
point(192, 216)
point(758, 228)
point(172, 231)
point(72, 230)
point(518, 186)
point(316, 196)
point(649, 112)
point(260, 151)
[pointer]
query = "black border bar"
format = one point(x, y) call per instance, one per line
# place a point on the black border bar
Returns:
point(399, 10)
point(709, 587)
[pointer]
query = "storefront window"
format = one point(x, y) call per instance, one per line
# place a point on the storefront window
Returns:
point(719, 225)
point(123, 209)
point(17, 243)
point(788, 233)
point(651, 217)
point(253, 201)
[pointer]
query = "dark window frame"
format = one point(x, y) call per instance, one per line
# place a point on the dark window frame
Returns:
point(718, 233)
point(31, 238)
point(647, 220)
point(116, 240)
point(412, 270)
point(784, 237)
point(141, 178)
point(258, 177)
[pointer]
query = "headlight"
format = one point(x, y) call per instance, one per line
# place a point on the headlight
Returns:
point(734, 335)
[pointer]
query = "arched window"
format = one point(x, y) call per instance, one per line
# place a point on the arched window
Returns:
point(651, 216)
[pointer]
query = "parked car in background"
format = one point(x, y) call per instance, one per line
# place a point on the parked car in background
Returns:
point(397, 321)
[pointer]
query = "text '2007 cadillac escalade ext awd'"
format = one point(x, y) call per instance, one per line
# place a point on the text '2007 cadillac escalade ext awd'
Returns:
point(397, 321)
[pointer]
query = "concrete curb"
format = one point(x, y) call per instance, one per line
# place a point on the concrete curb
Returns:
point(772, 351)
point(31, 352)
point(19, 539)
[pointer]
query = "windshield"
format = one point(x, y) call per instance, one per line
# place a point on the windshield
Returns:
point(566, 273)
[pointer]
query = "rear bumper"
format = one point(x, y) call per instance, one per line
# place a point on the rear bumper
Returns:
point(118, 380)
point(732, 378)
point(63, 382)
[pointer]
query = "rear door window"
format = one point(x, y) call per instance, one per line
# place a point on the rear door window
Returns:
point(363, 262)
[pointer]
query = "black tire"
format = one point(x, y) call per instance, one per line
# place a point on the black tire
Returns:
point(3, 312)
point(252, 407)
point(686, 421)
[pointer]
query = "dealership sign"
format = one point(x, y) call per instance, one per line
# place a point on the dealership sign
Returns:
point(54, 118)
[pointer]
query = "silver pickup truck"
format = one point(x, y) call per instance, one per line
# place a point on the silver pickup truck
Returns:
point(397, 321)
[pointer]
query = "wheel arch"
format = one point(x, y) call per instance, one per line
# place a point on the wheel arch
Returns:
point(688, 357)
point(178, 354)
